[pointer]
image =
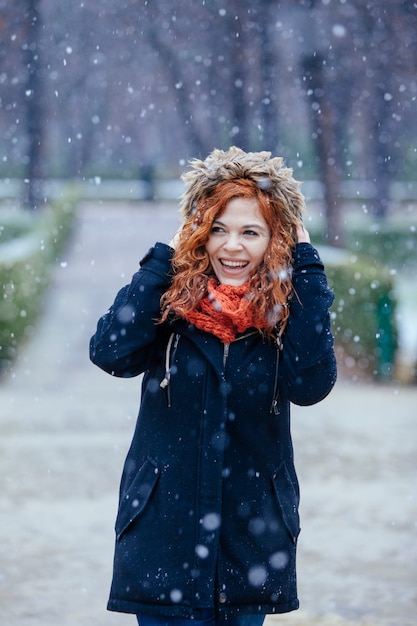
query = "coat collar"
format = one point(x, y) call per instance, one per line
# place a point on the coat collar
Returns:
point(212, 348)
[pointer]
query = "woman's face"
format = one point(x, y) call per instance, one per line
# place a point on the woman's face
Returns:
point(238, 241)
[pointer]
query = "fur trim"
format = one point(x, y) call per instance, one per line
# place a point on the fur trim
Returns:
point(270, 174)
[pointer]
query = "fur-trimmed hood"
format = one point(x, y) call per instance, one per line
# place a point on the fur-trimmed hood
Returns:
point(268, 172)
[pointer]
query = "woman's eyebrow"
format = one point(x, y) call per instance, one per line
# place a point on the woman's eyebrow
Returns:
point(258, 226)
point(244, 226)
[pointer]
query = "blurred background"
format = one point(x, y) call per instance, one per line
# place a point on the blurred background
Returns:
point(133, 89)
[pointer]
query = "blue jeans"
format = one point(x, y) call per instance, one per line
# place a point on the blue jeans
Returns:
point(210, 620)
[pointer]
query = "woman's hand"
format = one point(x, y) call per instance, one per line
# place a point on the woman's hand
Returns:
point(302, 234)
point(174, 241)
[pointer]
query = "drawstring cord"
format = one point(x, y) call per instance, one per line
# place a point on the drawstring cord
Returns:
point(165, 381)
point(279, 345)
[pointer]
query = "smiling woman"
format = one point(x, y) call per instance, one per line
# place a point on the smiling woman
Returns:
point(238, 241)
point(228, 328)
point(242, 232)
point(236, 233)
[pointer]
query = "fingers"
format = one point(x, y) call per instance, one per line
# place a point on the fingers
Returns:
point(174, 241)
point(302, 234)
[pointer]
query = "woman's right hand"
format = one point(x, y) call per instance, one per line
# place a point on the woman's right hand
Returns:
point(174, 241)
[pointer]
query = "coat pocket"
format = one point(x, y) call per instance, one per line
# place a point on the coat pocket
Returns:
point(288, 500)
point(137, 496)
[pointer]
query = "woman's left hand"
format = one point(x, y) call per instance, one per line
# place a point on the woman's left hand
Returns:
point(302, 234)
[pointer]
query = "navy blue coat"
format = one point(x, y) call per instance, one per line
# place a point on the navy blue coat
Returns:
point(208, 513)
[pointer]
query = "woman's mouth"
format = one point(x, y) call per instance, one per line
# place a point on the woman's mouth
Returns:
point(233, 264)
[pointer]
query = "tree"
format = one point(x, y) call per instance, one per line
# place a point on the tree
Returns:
point(325, 136)
point(388, 43)
point(34, 105)
point(366, 51)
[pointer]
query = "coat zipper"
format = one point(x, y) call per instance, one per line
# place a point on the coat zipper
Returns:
point(165, 382)
point(226, 348)
point(275, 396)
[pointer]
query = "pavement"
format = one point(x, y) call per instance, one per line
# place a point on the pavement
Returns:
point(65, 427)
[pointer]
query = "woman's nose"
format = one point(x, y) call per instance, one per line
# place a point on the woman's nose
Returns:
point(232, 243)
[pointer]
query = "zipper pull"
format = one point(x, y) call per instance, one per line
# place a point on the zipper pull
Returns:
point(225, 353)
point(274, 407)
point(165, 382)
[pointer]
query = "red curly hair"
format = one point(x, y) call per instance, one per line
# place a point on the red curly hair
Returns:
point(269, 288)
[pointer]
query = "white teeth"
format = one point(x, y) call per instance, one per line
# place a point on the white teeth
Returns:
point(234, 263)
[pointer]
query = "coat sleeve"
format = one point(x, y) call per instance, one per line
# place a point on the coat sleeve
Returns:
point(125, 334)
point(308, 364)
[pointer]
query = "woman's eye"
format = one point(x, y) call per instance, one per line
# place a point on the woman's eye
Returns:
point(252, 233)
point(217, 229)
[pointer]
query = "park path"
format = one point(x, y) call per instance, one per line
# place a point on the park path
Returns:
point(65, 427)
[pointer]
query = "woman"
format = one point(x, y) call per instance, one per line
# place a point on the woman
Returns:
point(229, 324)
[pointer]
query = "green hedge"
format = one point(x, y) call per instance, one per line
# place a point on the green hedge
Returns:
point(363, 313)
point(29, 245)
point(390, 244)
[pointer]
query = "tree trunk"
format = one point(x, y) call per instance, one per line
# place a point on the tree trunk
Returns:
point(240, 134)
point(269, 111)
point(33, 196)
point(179, 84)
point(325, 135)
point(381, 150)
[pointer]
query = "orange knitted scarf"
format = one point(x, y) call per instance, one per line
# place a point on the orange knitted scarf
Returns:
point(224, 311)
